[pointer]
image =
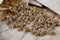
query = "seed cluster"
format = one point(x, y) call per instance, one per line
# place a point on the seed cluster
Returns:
point(31, 19)
point(8, 3)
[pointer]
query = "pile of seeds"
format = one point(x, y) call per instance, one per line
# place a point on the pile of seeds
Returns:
point(8, 3)
point(31, 19)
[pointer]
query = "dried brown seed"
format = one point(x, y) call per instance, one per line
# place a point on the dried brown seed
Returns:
point(25, 29)
point(19, 29)
point(52, 33)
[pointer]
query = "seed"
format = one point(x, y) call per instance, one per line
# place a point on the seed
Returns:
point(52, 33)
point(19, 29)
point(25, 29)
point(33, 32)
point(52, 27)
point(41, 33)
point(37, 33)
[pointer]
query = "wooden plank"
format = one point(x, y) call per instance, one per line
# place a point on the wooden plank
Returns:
point(52, 4)
point(35, 3)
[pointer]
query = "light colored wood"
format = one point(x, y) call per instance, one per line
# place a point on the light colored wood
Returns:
point(1, 1)
point(52, 4)
point(35, 3)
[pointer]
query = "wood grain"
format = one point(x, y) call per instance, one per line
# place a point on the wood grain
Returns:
point(54, 5)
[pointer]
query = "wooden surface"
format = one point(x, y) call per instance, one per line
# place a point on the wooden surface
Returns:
point(1, 1)
point(35, 3)
point(52, 4)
